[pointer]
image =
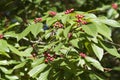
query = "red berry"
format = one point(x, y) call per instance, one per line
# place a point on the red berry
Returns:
point(69, 11)
point(79, 20)
point(51, 59)
point(58, 24)
point(52, 13)
point(82, 55)
point(115, 6)
point(1, 36)
point(46, 60)
point(69, 35)
point(37, 20)
point(79, 16)
point(34, 54)
point(84, 22)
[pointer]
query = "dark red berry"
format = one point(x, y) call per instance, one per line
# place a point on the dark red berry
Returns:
point(82, 55)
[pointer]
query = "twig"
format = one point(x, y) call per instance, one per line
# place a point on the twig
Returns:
point(38, 41)
point(112, 43)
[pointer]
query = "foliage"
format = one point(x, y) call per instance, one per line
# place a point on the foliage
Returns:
point(47, 43)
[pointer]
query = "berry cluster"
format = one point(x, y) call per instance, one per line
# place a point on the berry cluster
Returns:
point(69, 11)
point(52, 13)
point(1, 36)
point(80, 19)
point(37, 20)
point(58, 24)
point(83, 55)
point(115, 6)
point(49, 57)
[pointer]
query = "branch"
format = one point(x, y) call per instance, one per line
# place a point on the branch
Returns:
point(38, 41)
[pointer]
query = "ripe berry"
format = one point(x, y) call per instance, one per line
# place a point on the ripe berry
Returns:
point(69, 35)
point(51, 59)
point(52, 13)
point(46, 60)
point(79, 16)
point(1, 36)
point(79, 20)
point(69, 11)
point(58, 24)
point(84, 22)
point(37, 20)
point(115, 6)
point(34, 54)
point(82, 55)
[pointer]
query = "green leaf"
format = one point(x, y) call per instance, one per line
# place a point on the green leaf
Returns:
point(4, 46)
point(111, 23)
point(36, 70)
point(37, 61)
point(98, 51)
point(74, 42)
point(50, 21)
point(10, 34)
point(94, 62)
point(64, 19)
point(90, 29)
point(4, 62)
point(103, 30)
point(110, 49)
point(12, 77)
point(57, 48)
point(14, 50)
point(4, 53)
point(66, 31)
point(27, 52)
point(95, 77)
point(20, 65)
point(47, 34)
point(24, 33)
point(58, 33)
point(44, 75)
point(36, 28)
point(11, 26)
point(5, 70)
